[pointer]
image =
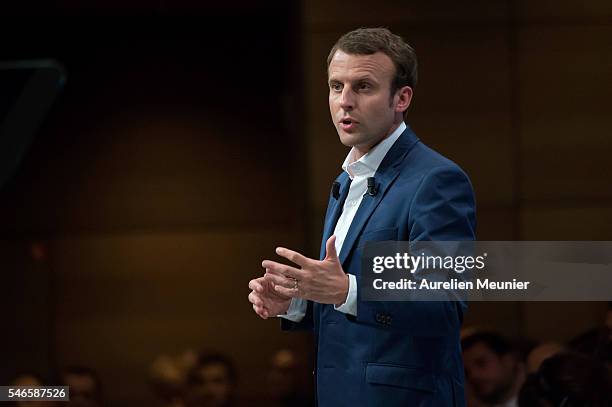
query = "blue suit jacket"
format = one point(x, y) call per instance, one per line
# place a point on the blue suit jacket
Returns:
point(395, 353)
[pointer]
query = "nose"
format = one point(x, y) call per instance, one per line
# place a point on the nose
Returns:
point(347, 99)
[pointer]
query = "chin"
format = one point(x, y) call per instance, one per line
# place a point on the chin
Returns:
point(349, 140)
point(345, 142)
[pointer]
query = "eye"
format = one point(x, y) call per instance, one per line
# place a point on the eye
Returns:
point(336, 87)
point(364, 86)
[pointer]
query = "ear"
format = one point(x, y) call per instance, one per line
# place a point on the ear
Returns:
point(403, 97)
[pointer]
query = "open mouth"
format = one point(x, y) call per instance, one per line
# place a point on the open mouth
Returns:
point(347, 123)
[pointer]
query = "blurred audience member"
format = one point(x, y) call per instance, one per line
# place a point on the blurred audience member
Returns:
point(212, 382)
point(540, 353)
point(568, 380)
point(284, 381)
point(168, 376)
point(597, 342)
point(493, 368)
point(469, 330)
point(85, 387)
point(28, 379)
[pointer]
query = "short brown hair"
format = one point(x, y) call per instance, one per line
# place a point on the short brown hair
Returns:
point(368, 41)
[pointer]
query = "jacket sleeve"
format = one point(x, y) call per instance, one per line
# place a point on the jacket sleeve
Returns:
point(306, 324)
point(442, 209)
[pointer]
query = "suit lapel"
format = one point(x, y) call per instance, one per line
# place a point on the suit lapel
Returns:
point(335, 210)
point(386, 174)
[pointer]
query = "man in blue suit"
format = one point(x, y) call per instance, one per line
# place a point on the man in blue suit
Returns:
point(392, 187)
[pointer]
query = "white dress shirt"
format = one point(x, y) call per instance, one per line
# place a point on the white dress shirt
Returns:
point(359, 171)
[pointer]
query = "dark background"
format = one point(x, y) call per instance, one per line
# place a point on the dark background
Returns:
point(191, 138)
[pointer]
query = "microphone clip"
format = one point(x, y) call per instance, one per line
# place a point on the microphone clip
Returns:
point(372, 189)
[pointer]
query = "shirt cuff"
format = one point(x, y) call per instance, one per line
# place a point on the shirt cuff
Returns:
point(296, 311)
point(350, 304)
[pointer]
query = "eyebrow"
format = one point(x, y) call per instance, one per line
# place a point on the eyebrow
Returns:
point(365, 78)
point(357, 80)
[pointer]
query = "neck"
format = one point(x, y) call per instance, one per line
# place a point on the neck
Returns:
point(360, 151)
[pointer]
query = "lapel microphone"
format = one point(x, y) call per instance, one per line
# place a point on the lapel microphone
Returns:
point(336, 190)
point(372, 190)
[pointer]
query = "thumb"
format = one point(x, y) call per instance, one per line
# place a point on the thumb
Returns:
point(330, 248)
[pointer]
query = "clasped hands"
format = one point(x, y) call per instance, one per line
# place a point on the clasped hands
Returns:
point(322, 281)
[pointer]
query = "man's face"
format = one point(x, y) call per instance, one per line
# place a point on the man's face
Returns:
point(490, 376)
point(83, 390)
point(214, 387)
point(360, 101)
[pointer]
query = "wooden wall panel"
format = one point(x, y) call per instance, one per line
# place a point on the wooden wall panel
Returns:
point(344, 14)
point(564, 88)
point(564, 85)
point(563, 10)
point(561, 322)
point(462, 104)
point(156, 169)
point(584, 222)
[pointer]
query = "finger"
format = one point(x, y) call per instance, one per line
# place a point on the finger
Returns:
point(330, 248)
point(256, 285)
point(282, 269)
point(255, 300)
point(287, 292)
point(260, 311)
point(293, 256)
point(263, 312)
point(280, 280)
